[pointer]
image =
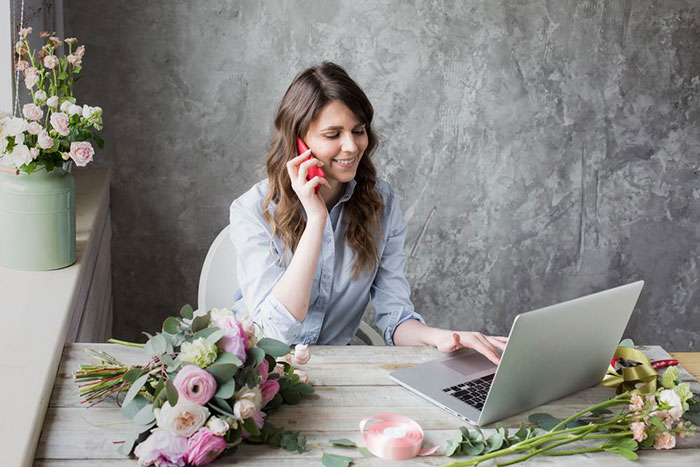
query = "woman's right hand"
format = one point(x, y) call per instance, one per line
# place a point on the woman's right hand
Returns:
point(306, 190)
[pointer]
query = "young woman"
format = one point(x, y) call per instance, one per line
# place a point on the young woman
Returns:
point(312, 253)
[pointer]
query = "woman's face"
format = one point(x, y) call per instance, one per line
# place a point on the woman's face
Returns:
point(337, 139)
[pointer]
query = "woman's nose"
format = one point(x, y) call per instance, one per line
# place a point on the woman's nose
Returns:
point(348, 143)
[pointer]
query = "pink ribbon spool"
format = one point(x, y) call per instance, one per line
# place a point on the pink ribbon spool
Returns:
point(394, 436)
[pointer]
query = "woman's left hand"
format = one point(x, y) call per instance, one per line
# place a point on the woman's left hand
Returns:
point(449, 341)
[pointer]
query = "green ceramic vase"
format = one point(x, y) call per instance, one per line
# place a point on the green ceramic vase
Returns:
point(37, 220)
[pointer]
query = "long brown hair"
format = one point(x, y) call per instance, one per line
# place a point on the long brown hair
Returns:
point(309, 92)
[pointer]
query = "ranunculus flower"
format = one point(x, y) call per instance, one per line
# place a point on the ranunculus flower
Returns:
point(204, 447)
point(198, 352)
point(162, 448)
point(244, 408)
point(638, 431)
point(664, 440)
point(303, 377)
point(52, 102)
point(34, 128)
point(194, 384)
point(44, 140)
point(75, 110)
point(302, 354)
point(235, 340)
point(183, 419)
point(32, 112)
point(59, 122)
point(81, 152)
point(218, 426)
point(670, 397)
point(269, 389)
point(50, 61)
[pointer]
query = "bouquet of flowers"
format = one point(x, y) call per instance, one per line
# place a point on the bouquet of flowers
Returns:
point(210, 381)
point(54, 128)
point(651, 419)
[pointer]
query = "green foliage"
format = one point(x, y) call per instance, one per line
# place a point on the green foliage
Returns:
point(474, 442)
point(187, 312)
point(171, 325)
point(226, 390)
point(254, 356)
point(171, 391)
point(344, 442)
point(135, 389)
point(547, 422)
point(622, 446)
point(334, 460)
point(273, 347)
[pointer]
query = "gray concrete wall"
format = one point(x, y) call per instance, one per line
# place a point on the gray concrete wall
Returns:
point(541, 150)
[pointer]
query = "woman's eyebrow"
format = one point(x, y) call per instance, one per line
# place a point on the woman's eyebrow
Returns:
point(340, 127)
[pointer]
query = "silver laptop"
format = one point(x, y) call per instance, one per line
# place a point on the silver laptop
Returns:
point(551, 352)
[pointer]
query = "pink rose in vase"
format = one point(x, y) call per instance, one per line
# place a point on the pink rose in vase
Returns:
point(81, 152)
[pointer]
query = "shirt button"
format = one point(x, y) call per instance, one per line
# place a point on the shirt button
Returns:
point(328, 239)
point(326, 276)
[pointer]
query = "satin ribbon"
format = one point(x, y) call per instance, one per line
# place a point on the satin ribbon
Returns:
point(394, 436)
point(631, 376)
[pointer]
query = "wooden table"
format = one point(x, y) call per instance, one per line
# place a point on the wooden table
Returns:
point(351, 383)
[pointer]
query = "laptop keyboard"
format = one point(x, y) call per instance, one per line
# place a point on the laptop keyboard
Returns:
point(473, 392)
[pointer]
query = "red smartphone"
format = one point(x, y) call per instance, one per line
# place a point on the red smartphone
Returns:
point(313, 171)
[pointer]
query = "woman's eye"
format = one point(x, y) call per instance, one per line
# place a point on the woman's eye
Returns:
point(335, 135)
point(359, 132)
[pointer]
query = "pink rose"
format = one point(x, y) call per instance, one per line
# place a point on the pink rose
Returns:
point(204, 447)
point(59, 122)
point(162, 448)
point(34, 128)
point(50, 61)
point(303, 377)
point(32, 112)
point(665, 440)
point(269, 389)
point(31, 77)
point(638, 431)
point(44, 140)
point(235, 340)
point(302, 354)
point(81, 152)
point(34, 152)
point(195, 385)
point(264, 369)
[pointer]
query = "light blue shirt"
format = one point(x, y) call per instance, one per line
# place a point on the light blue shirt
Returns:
point(337, 301)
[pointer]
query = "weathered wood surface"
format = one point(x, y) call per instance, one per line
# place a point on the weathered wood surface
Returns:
point(351, 383)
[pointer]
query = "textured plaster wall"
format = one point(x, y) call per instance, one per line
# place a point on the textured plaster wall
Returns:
point(541, 150)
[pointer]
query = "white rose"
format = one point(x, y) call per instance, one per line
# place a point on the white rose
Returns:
point(52, 102)
point(44, 140)
point(34, 128)
point(97, 110)
point(34, 152)
point(87, 110)
point(40, 97)
point(218, 426)
point(254, 395)
point(21, 155)
point(15, 126)
point(75, 110)
point(670, 397)
point(32, 112)
point(182, 420)
point(65, 106)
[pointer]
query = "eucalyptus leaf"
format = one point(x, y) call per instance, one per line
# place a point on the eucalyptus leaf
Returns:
point(205, 333)
point(187, 312)
point(223, 404)
point(250, 426)
point(255, 356)
point(130, 410)
point(135, 389)
point(171, 325)
point(222, 372)
point(145, 415)
point(200, 322)
point(171, 392)
point(626, 343)
point(128, 446)
point(273, 347)
point(226, 390)
point(133, 374)
point(343, 442)
point(159, 344)
point(291, 397)
point(220, 410)
point(494, 442)
point(333, 460)
point(451, 449)
point(475, 449)
point(521, 434)
point(365, 452)
point(626, 453)
point(214, 337)
point(303, 388)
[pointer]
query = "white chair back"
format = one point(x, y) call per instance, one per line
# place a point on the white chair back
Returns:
point(218, 283)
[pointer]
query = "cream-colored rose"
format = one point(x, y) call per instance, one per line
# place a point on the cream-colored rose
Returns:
point(253, 395)
point(215, 314)
point(218, 426)
point(303, 377)
point(182, 420)
point(244, 408)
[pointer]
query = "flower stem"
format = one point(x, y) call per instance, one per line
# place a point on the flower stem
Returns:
point(125, 343)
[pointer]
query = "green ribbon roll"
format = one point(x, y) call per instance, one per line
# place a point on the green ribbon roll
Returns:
point(631, 376)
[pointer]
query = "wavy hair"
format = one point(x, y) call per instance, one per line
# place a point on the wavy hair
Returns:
point(308, 93)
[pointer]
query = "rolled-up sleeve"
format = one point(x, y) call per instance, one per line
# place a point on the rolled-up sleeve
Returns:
point(390, 292)
point(258, 271)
